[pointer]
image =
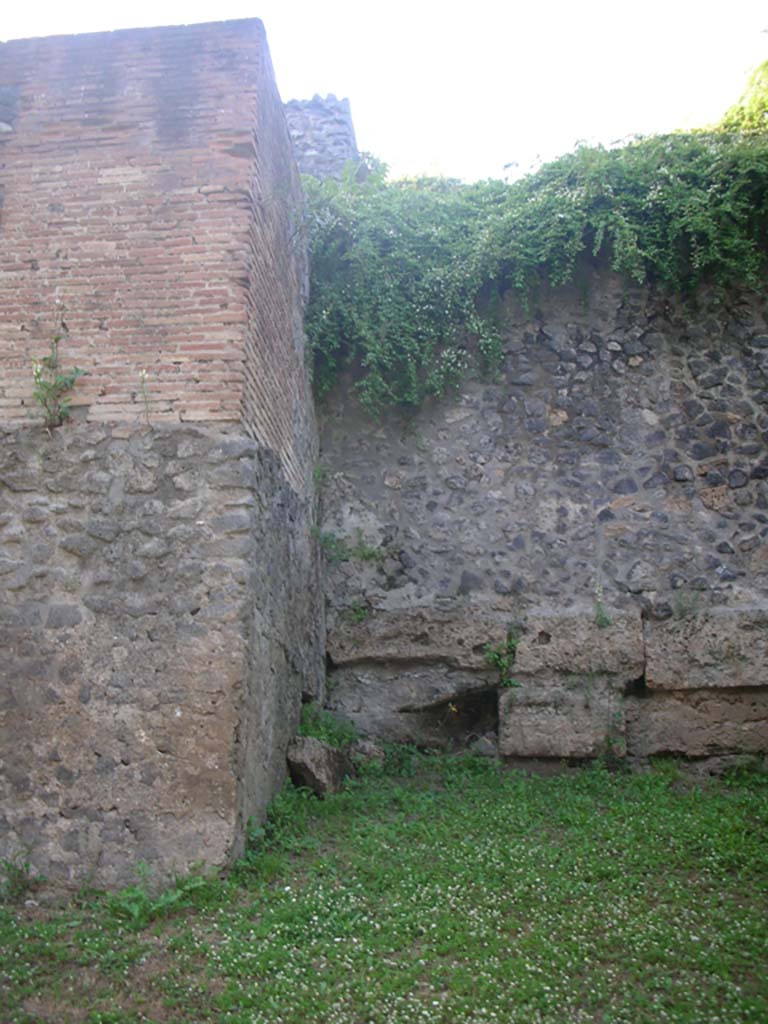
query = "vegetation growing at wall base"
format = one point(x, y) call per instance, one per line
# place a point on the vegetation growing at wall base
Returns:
point(398, 268)
point(433, 889)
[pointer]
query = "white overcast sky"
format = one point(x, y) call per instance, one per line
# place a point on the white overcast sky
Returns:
point(463, 89)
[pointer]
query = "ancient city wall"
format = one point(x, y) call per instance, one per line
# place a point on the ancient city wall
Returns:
point(571, 560)
point(607, 499)
point(159, 615)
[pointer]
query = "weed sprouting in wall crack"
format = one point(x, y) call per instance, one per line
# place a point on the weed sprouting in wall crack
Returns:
point(52, 385)
point(502, 658)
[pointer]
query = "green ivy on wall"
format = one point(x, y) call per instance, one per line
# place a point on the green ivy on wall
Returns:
point(398, 268)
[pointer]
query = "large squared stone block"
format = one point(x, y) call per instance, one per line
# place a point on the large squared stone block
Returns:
point(572, 716)
point(457, 639)
point(577, 643)
point(719, 648)
point(698, 723)
point(423, 704)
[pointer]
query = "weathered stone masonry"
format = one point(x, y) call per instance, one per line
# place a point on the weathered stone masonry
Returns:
point(156, 640)
point(608, 498)
point(159, 614)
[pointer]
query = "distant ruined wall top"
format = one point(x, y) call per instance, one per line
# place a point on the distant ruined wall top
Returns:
point(323, 135)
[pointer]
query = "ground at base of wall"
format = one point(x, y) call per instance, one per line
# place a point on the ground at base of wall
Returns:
point(506, 897)
point(694, 770)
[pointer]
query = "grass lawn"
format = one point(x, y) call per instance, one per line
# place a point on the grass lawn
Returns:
point(433, 890)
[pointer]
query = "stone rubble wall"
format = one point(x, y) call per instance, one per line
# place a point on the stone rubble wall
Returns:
point(323, 135)
point(156, 633)
point(614, 484)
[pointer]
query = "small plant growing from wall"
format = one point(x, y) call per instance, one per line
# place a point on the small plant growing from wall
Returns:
point(502, 658)
point(52, 385)
point(686, 604)
point(340, 549)
point(144, 390)
point(16, 877)
point(357, 611)
point(602, 618)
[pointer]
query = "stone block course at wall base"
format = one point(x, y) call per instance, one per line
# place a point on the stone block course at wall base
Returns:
point(578, 688)
point(158, 627)
point(699, 723)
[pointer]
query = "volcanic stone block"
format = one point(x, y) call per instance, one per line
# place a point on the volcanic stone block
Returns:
point(563, 717)
point(458, 639)
point(575, 643)
point(317, 765)
point(723, 647)
point(408, 704)
point(698, 723)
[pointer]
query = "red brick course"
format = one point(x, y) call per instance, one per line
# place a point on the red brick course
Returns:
point(149, 192)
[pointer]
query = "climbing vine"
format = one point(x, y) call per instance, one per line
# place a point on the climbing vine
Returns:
point(396, 268)
point(402, 271)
